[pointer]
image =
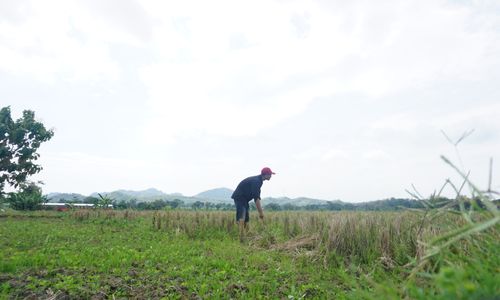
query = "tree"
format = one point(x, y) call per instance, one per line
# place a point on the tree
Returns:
point(3, 202)
point(197, 205)
point(103, 202)
point(175, 203)
point(19, 142)
point(273, 207)
point(157, 204)
point(289, 206)
point(28, 198)
point(89, 200)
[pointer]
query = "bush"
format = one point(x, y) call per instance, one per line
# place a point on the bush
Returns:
point(29, 197)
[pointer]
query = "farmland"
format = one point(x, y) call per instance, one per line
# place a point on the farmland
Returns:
point(105, 254)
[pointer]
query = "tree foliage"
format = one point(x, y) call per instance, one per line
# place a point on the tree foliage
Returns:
point(103, 201)
point(19, 142)
point(29, 197)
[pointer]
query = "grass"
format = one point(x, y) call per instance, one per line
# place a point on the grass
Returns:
point(292, 255)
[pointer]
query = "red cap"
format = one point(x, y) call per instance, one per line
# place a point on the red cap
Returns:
point(266, 171)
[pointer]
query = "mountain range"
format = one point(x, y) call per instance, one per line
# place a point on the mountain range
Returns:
point(217, 195)
point(223, 196)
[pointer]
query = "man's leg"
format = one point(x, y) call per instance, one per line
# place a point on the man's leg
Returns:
point(240, 218)
point(242, 227)
point(247, 219)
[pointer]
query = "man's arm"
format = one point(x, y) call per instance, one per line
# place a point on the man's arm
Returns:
point(259, 208)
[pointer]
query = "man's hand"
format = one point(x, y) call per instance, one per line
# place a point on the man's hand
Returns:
point(259, 208)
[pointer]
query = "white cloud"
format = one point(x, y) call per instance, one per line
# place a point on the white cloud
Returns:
point(198, 77)
point(58, 39)
point(404, 122)
point(469, 115)
point(328, 87)
point(86, 173)
point(95, 162)
point(335, 154)
point(374, 154)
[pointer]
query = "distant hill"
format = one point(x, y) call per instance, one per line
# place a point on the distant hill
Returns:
point(148, 195)
point(223, 194)
point(141, 196)
point(65, 197)
point(301, 201)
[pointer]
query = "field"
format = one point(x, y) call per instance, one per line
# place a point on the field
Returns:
point(104, 254)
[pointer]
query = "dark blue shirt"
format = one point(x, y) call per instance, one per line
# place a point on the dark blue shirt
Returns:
point(248, 189)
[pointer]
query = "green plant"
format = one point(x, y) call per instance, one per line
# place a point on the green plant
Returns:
point(104, 202)
point(19, 142)
point(29, 197)
point(476, 219)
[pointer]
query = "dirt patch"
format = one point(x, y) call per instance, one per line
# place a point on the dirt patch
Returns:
point(235, 289)
point(17, 283)
point(133, 273)
point(5, 278)
point(178, 290)
point(134, 285)
point(99, 296)
point(24, 286)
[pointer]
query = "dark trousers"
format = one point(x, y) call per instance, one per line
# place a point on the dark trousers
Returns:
point(242, 209)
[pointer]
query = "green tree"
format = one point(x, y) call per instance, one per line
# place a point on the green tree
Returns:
point(175, 203)
point(289, 206)
point(197, 205)
point(103, 201)
point(3, 202)
point(29, 197)
point(19, 142)
point(90, 200)
point(273, 207)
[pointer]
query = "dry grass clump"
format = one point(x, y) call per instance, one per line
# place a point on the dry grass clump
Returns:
point(299, 243)
point(193, 223)
point(358, 236)
point(86, 214)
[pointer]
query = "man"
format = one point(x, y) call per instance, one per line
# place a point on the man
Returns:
point(248, 190)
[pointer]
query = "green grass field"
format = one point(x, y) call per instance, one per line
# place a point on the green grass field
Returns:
point(198, 255)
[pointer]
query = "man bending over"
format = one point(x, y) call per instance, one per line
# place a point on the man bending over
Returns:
point(248, 189)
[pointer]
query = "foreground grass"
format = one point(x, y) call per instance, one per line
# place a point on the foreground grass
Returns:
point(185, 255)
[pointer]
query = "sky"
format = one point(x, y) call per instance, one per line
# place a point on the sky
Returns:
point(342, 99)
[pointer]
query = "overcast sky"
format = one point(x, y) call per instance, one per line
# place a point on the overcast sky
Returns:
point(342, 99)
